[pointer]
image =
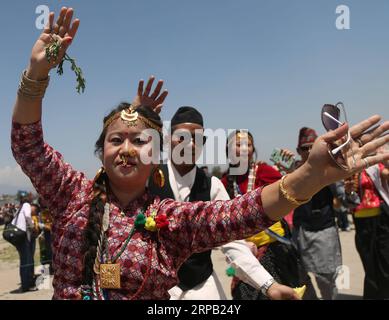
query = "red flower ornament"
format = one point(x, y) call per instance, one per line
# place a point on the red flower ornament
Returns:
point(161, 221)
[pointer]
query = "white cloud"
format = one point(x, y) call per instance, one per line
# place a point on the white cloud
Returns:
point(14, 177)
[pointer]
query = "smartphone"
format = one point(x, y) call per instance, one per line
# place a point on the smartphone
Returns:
point(276, 157)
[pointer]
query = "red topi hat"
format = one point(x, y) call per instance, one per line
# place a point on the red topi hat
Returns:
point(307, 137)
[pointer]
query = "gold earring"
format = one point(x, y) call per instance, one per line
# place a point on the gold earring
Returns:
point(97, 191)
point(98, 174)
point(159, 177)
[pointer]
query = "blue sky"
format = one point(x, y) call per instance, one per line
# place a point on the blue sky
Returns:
point(267, 66)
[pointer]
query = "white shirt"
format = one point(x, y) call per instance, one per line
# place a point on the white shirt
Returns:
point(246, 265)
point(182, 185)
point(23, 220)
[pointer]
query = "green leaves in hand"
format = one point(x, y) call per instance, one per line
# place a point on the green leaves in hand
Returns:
point(52, 51)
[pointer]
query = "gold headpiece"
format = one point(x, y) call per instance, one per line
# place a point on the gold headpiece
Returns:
point(130, 117)
point(244, 135)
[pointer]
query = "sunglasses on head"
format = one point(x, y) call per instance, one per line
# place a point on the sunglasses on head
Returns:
point(332, 117)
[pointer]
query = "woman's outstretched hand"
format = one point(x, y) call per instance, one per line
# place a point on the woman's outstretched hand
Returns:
point(359, 154)
point(154, 100)
point(63, 31)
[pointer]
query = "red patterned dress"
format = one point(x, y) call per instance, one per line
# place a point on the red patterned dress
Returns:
point(193, 227)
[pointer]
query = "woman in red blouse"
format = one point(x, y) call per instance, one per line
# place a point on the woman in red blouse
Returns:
point(241, 149)
point(279, 258)
point(111, 239)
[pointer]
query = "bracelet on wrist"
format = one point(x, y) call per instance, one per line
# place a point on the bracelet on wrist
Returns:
point(32, 89)
point(266, 286)
point(288, 197)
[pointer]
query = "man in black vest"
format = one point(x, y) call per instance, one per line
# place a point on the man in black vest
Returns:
point(185, 181)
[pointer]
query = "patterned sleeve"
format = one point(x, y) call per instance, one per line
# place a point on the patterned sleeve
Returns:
point(53, 179)
point(200, 226)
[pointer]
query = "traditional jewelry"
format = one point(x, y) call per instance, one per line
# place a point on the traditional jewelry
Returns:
point(252, 177)
point(32, 89)
point(108, 270)
point(288, 197)
point(265, 287)
point(110, 276)
point(124, 159)
point(251, 181)
point(98, 174)
point(159, 178)
point(132, 153)
point(356, 183)
point(244, 135)
point(130, 117)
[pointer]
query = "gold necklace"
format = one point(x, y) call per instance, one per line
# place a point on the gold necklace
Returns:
point(110, 272)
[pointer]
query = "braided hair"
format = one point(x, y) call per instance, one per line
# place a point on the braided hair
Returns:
point(92, 232)
point(93, 228)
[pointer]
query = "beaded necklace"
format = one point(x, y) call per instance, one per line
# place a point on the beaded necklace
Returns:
point(251, 182)
point(356, 183)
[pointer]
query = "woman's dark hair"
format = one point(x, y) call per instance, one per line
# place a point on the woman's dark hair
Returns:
point(92, 232)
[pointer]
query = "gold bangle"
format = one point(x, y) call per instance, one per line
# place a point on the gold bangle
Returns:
point(32, 89)
point(288, 197)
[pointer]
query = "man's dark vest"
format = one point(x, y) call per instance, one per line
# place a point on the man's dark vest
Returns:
point(198, 267)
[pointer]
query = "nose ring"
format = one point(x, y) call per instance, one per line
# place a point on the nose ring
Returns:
point(132, 153)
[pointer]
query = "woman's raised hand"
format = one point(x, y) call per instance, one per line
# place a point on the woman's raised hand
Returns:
point(359, 154)
point(154, 100)
point(63, 31)
point(286, 155)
